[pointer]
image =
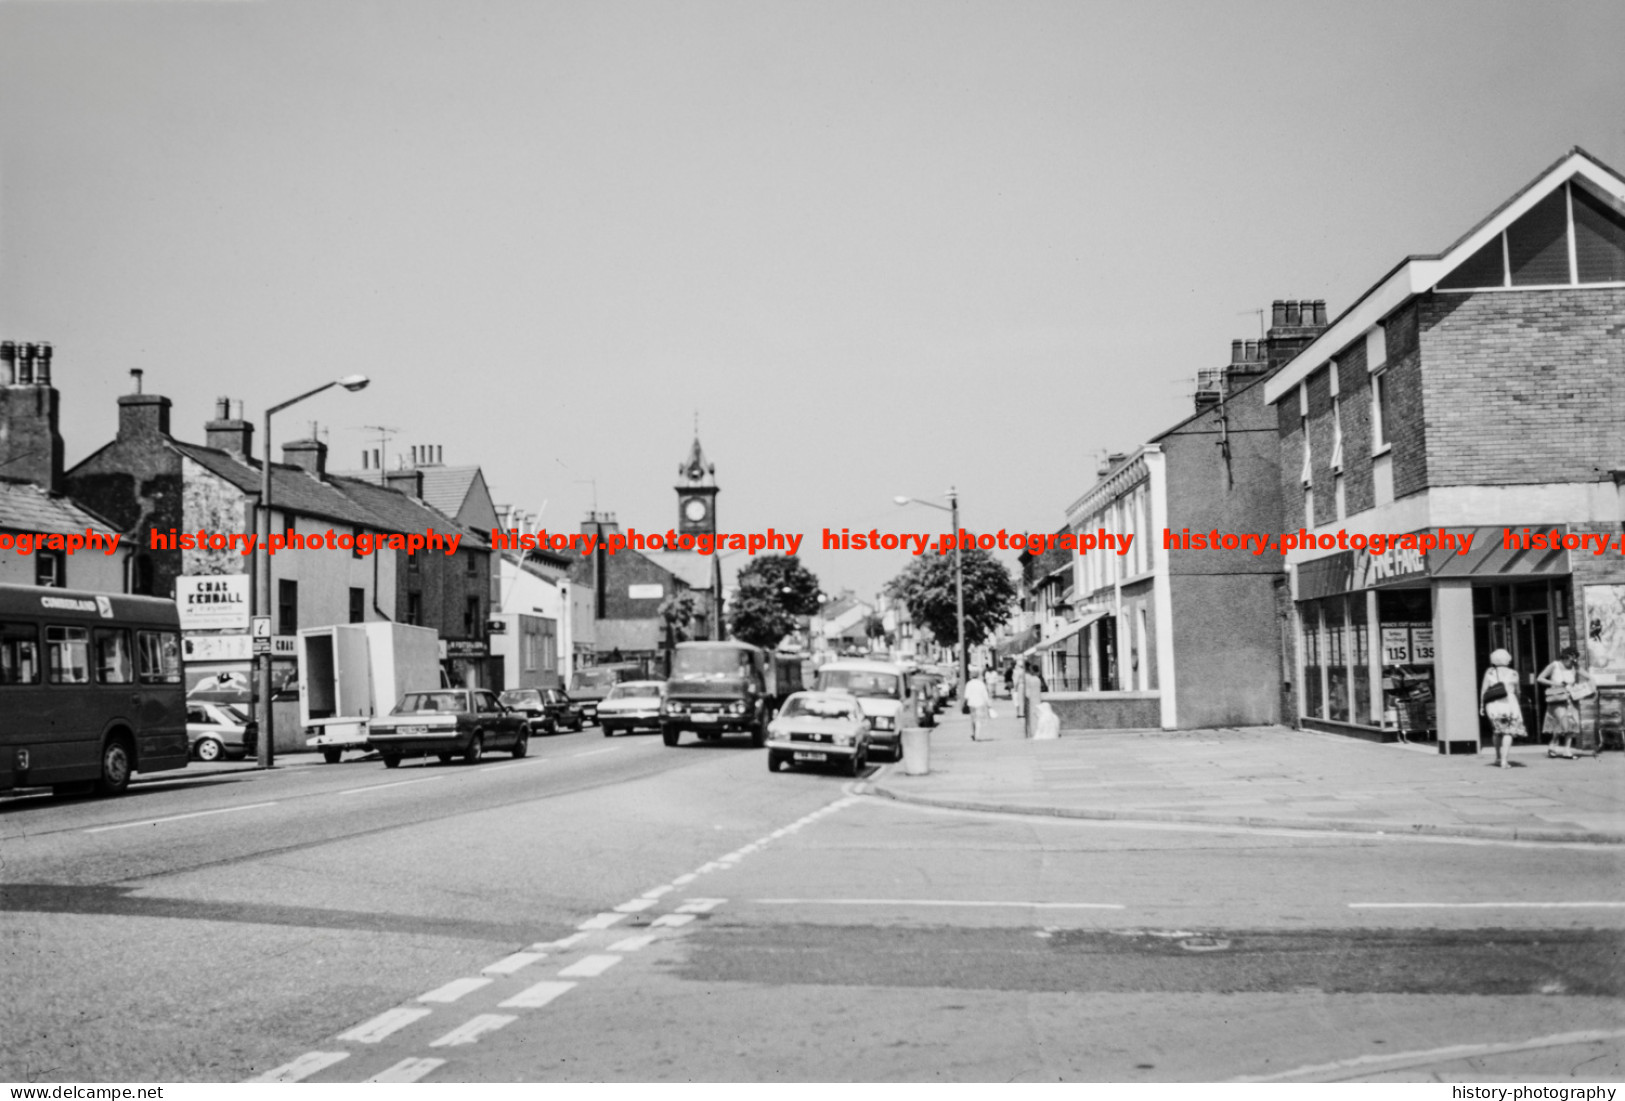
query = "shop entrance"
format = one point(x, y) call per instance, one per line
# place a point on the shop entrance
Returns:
point(1531, 621)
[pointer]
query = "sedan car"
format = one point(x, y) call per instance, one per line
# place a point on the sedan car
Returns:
point(217, 730)
point(632, 706)
point(819, 728)
point(548, 710)
point(451, 722)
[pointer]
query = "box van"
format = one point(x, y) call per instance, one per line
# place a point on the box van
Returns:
point(882, 690)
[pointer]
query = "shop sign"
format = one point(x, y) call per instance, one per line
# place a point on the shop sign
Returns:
point(645, 592)
point(214, 603)
point(1421, 645)
point(234, 647)
point(1396, 646)
point(465, 648)
point(1394, 564)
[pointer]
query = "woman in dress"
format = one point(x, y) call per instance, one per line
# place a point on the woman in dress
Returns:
point(1562, 723)
point(980, 704)
point(1498, 701)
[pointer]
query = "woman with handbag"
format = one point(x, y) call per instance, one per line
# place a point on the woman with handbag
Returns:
point(1562, 724)
point(1498, 701)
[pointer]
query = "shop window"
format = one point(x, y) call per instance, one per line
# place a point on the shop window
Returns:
point(1336, 661)
point(1360, 659)
point(1529, 597)
point(1313, 696)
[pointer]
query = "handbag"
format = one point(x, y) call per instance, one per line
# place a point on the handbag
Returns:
point(1496, 691)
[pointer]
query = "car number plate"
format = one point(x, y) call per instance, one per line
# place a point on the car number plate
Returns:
point(411, 730)
point(702, 717)
point(811, 756)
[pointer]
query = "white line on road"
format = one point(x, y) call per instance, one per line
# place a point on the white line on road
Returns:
point(1486, 905)
point(686, 877)
point(636, 905)
point(632, 944)
point(600, 921)
point(303, 1067)
point(471, 1030)
point(699, 905)
point(179, 817)
point(560, 944)
point(396, 784)
point(1373, 1064)
point(407, 1070)
point(589, 966)
point(592, 752)
point(382, 1025)
point(936, 902)
point(671, 921)
point(453, 990)
point(535, 997)
point(507, 965)
point(656, 892)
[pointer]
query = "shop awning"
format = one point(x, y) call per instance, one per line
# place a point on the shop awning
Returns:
point(1490, 557)
point(1016, 643)
point(1068, 631)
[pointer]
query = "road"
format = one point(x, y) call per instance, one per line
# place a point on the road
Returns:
point(611, 909)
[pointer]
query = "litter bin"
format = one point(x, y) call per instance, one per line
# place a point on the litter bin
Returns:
point(916, 750)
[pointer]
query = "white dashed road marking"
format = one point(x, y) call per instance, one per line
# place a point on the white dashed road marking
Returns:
point(407, 1070)
point(1485, 905)
point(509, 964)
point(699, 905)
point(535, 997)
point(935, 902)
point(636, 905)
point(471, 1030)
point(181, 817)
point(588, 967)
point(671, 921)
point(560, 944)
point(303, 1067)
point(382, 1025)
point(396, 784)
point(453, 990)
point(600, 921)
point(632, 944)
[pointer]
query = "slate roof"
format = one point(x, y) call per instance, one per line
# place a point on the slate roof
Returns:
point(403, 513)
point(446, 487)
point(25, 506)
point(291, 488)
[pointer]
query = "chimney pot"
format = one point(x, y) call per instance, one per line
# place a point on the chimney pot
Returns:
point(1238, 351)
point(8, 357)
point(1294, 314)
point(222, 409)
point(42, 372)
point(25, 365)
point(1277, 313)
point(1320, 312)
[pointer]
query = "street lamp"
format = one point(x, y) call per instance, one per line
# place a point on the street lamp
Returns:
point(265, 753)
point(952, 508)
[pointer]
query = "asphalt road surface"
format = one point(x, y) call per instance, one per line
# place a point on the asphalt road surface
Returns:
point(611, 909)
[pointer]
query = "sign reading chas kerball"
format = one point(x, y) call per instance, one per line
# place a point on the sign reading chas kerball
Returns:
point(213, 603)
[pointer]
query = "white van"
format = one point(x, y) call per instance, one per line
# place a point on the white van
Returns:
point(881, 689)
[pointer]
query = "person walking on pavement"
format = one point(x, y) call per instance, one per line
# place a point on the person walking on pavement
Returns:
point(1498, 701)
point(1033, 688)
point(1562, 723)
point(1018, 690)
point(981, 706)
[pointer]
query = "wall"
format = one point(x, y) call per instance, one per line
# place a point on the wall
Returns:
point(1106, 710)
point(324, 576)
point(1227, 658)
point(135, 482)
point(93, 570)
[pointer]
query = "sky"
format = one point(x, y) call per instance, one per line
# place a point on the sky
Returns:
point(878, 248)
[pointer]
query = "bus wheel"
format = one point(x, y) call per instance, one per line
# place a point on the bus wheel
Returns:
point(116, 766)
point(332, 756)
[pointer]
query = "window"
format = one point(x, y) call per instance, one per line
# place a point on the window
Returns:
point(1308, 506)
point(141, 575)
point(414, 609)
point(158, 656)
point(19, 654)
point(67, 654)
point(1307, 475)
point(1379, 411)
point(1538, 245)
point(1337, 434)
point(287, 606)
point(471, 618)
point(1572, 236)
point(358, 605)
point(527, 652)
point(1599, 238)
point(473, 565)
point(50, 569)
point(113, 665)
point(355, 552)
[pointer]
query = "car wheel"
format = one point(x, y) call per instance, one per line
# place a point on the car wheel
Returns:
point(207, 749)
point(580, 725)
point(670, 734)
point(117, 765)
point(332, 756)
point(445, 758)
point(775, 760)
point(609, 731)
point(522, 746)
point(475, 750)
point(391, 760)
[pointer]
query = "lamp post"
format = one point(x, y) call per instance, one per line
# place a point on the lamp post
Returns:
point(952, 508)
point(265, 754)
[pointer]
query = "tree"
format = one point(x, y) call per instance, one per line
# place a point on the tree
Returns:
point(926, 588)
point(771, 593)
point(677, 610)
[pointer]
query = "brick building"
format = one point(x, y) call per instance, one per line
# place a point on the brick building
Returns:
point(1466, 393)
point(1185, 635)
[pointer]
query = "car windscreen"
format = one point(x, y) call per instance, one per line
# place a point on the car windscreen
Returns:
point(710, 664)
point(858, 682)
point(634, 691)
point(816, 709)
point(430, 701)
point(521, 697)
point(235, 714)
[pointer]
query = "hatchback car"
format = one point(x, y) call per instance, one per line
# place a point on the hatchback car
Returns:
point(819, 728)
point(881, 689)
point(451, 722)
point(634, 705)
point(217, 730)
point(548, 710)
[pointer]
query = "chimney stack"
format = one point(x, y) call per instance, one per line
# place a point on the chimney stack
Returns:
point(233, 435)
point(308, 455)
point(30, 436)
point(407, 480)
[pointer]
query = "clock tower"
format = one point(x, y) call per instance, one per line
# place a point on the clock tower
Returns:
point(696, 494)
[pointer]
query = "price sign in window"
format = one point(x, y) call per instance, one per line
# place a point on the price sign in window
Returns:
point(1396, 646)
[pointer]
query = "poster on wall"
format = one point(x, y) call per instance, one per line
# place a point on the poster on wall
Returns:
point(213, 603)
point(1421, 645)
point(1605, 633)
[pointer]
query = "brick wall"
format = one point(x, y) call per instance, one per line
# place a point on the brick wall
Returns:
point(1354, 398)
point(1290, 434)
point(1523, 387)
point(1320, 444)
point(1406, 429)
point(135, 482)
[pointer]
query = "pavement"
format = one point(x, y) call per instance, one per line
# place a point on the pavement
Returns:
point(1266, 777)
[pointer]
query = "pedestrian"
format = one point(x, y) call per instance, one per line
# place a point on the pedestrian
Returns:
point(1033, 689)
point(1498, 701)
point(1018, 690)
point(981, 706)
point(1562, 723)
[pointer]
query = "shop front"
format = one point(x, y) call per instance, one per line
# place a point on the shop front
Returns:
point(1391, 646)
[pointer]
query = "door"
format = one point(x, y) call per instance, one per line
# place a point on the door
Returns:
point(1531, 652)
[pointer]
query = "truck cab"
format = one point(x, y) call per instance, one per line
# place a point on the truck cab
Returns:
point(717, 688)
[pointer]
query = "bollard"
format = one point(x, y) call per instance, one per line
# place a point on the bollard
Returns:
point(916, 742)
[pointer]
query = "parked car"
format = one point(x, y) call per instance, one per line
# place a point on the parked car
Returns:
point(819, 728)
point(548, 710)
point(449, 722)
point(882, 691)
point(217, 730)
point(589, 686)
point(633, 705)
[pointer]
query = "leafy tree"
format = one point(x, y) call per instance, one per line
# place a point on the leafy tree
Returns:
point(677, 610)
point(926, 587)
point(771, 593)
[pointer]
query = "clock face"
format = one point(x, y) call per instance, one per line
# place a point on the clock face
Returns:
point(694, 510)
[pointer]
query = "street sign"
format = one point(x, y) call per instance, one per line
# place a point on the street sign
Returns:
point(262, 629)
point(262, 645)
